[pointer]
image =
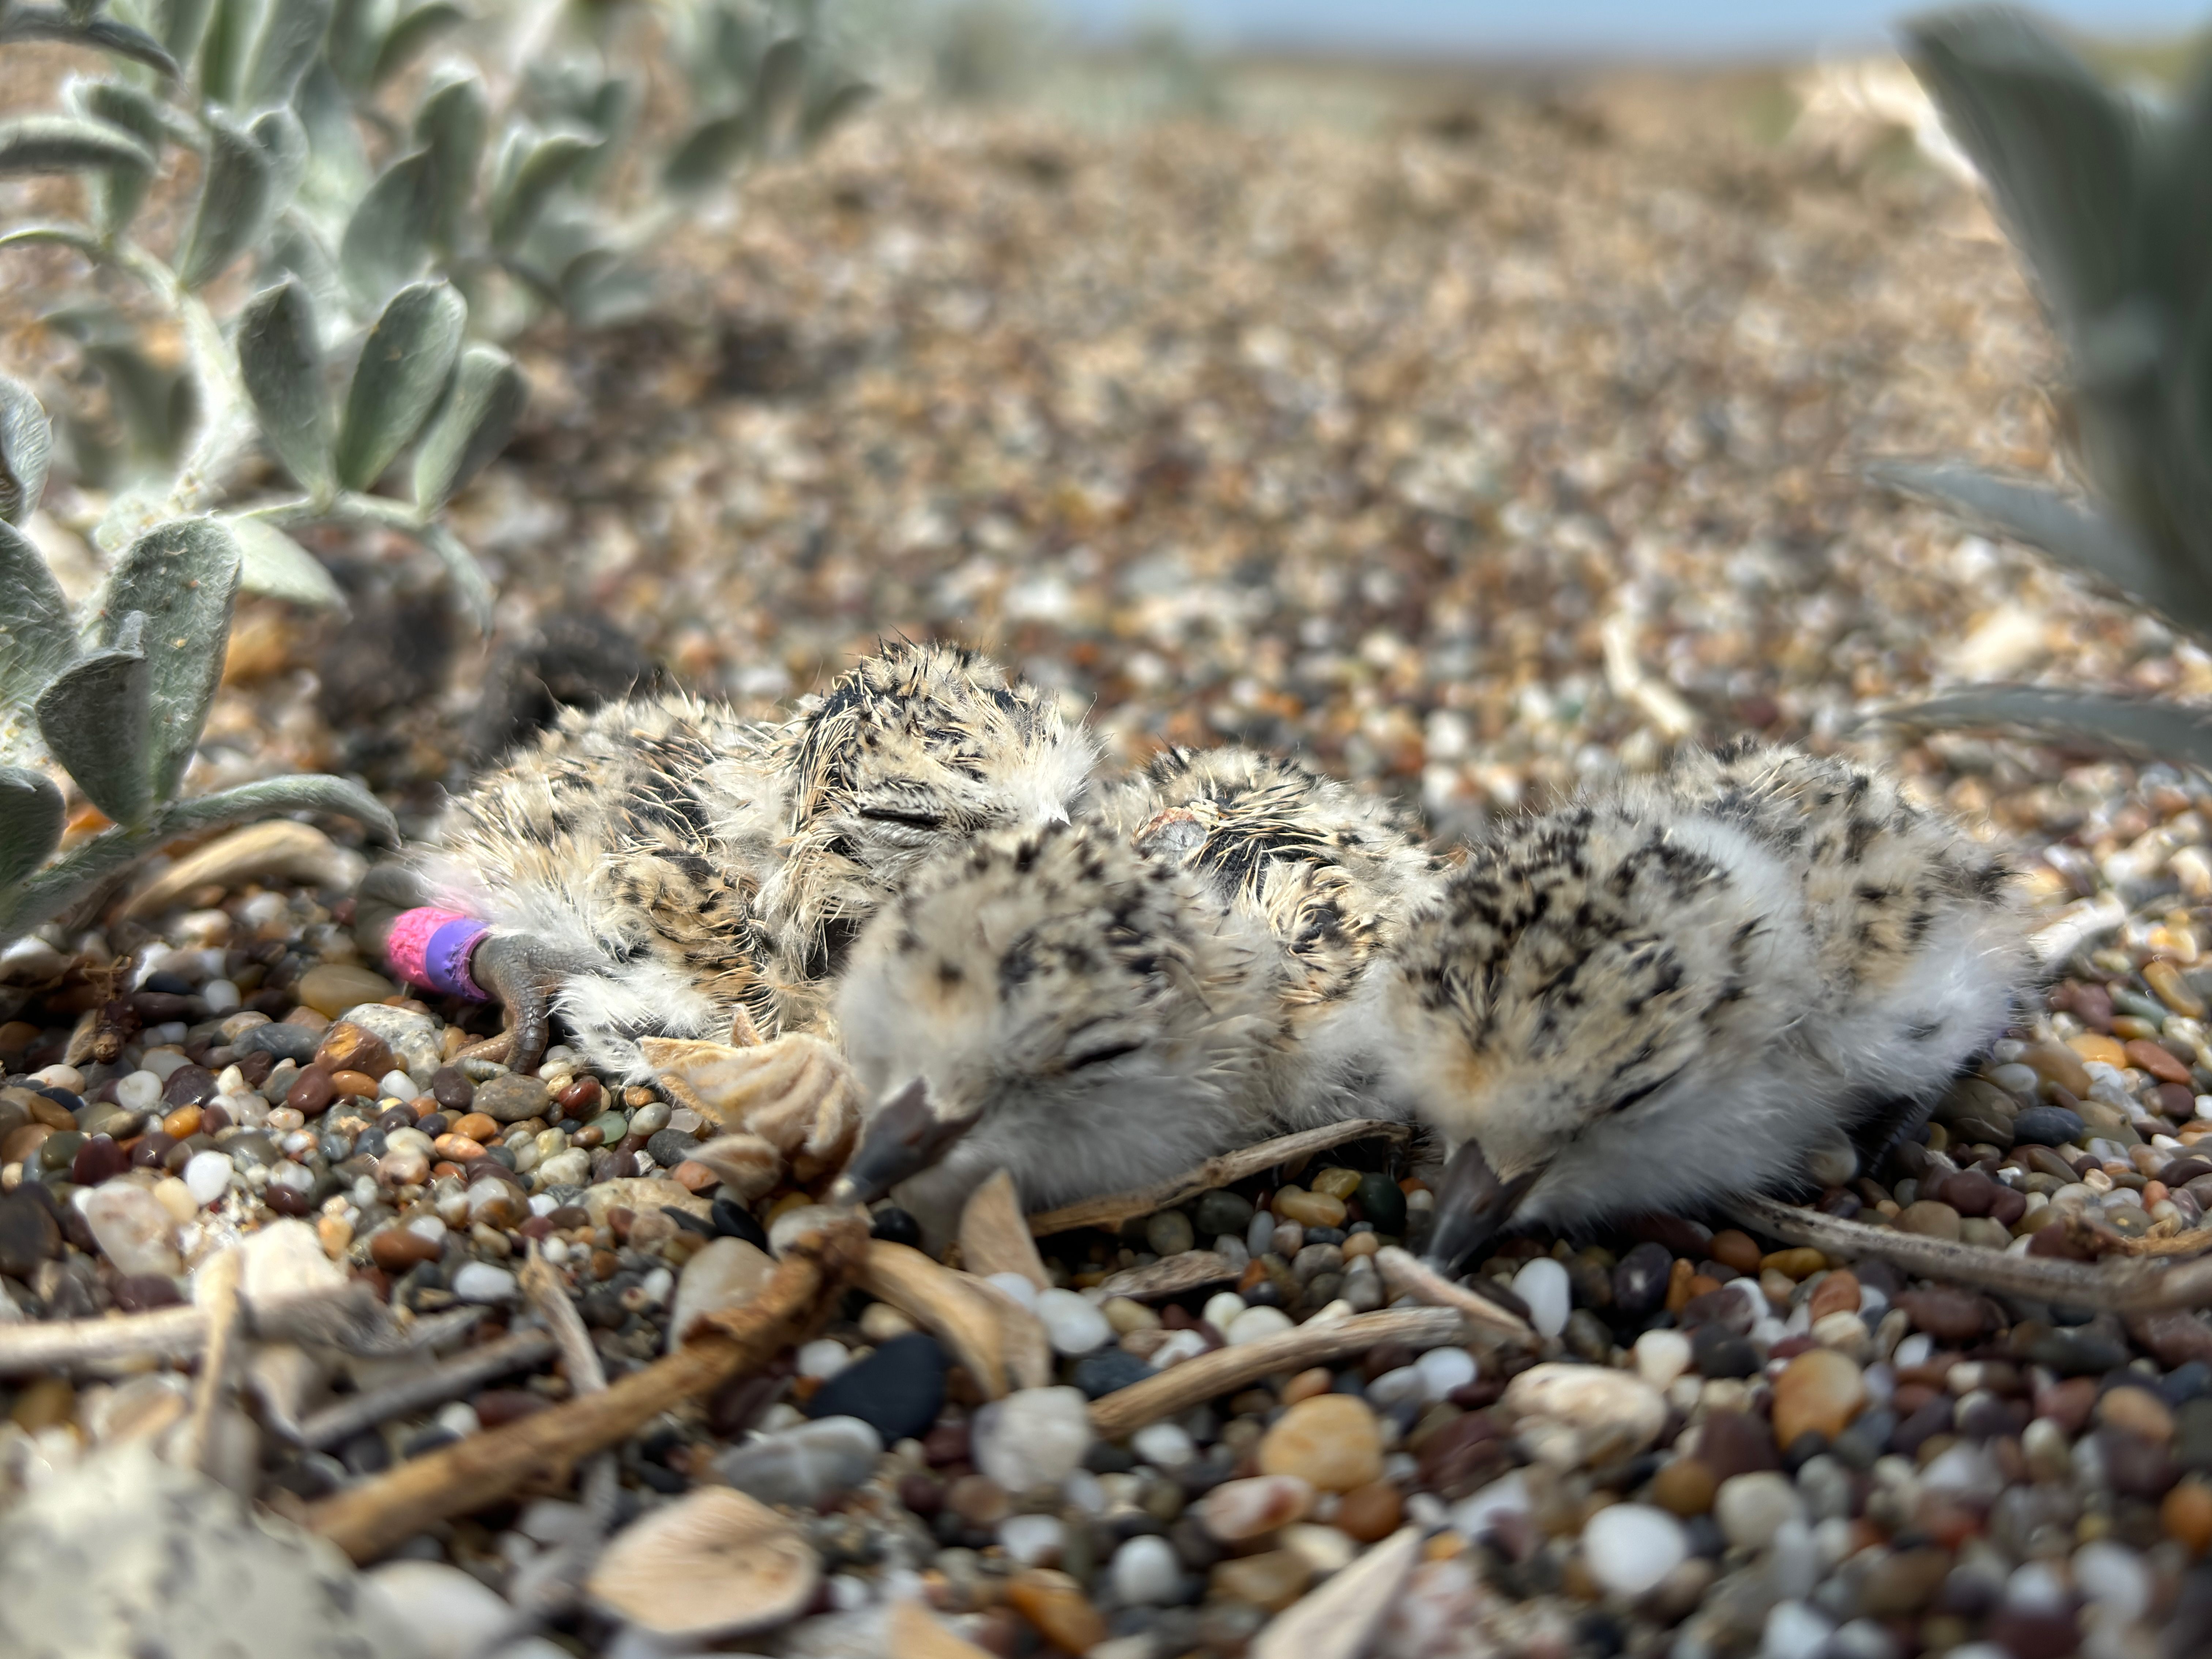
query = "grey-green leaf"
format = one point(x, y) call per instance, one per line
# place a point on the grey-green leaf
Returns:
point(119, 190)
point(283, 140)
point(94, 717)
point(291, 35)
point(26, 443)
point(51, 23)
point(281, 361)
point(273, 564)
point(833, 109)
point(471, 583)
point(780, 90)
point(473, 425)
point(387, 240)
point(402, 373)
point(531, 169)
point(313, 793)
point(357, 28)
point(235, 201)
point(38, 637)
point(451, 126)
point(180, 23)
point(411, 33)
point(2166, 731)
point(225, 47)
point(704, 159)
point(68, 144)
point(31, 817)
point(183, 575)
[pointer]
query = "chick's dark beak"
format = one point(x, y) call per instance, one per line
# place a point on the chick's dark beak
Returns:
point(903, 1137)
point(1473, 1207)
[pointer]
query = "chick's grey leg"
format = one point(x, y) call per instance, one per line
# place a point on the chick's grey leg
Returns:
point(524, 974)
point(384, 891)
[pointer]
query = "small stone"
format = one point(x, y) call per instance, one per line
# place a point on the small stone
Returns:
point(2186, 1515)
point(979, 1500)
point(331, 988)
point(1331, 1442)
point(1718, 1352)
point(511, 1099)
point(188, 1085)
point(207, 1177)
point(1169, 1233)
point(296, 1043)
point(2138, 1411)
point(1571, 1416)
point(28, 1235)
point(1381, 1202)
point(1640, 1280)
point(1237, 1510)
point(1309, 1209)
point(1054, 1604)
point(1145, 1571)
point(1733, 1247)
point(898, 1390)
point(347, 1047)
point(1931, 1219)
point(1272, 1580)
point(479, 1281)
point(1752, 1508)
point(1838, 1293)
point(446, 1612)
point(1032, 1438)
point(1542, 1285)
point(1075, 1326)
point(2047, 1126)
point(396, 1250)
point(1031, 1540)
point(1951, 1316)
point(1216, 1212)
point(1164, 1445)
point(1900, 1584)
point(1685, 1487)
point(728, 1273)
point(804, 1466)
point(1255, 1325)
point(1630, 1547)
point(1661, 1356)
point(1820, 1392)
point(134, 1231)
point(1101, 1373)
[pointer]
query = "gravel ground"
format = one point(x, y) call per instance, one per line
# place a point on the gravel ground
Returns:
point(1469, 463)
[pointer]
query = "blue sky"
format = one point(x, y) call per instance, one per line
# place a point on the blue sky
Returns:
point(1694, 28)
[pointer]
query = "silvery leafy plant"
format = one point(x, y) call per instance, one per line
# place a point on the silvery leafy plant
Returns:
point(492, 202)
point(2107, 196)
point(116, 696)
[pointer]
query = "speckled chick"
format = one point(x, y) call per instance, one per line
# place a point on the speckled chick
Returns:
point(1716, 981)
point(1053, 1003)
point(1321, 868)
point(663, 867)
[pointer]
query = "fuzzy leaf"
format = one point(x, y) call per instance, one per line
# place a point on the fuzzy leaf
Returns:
point(31, 817)
point(291, 35)
point(825, 114)
point(705, 158)
point(357, 28)
point(2057, 149)
point(387, 240)
point(780, 90)
point(411, 33)
point(183, 575)
point(50, 23)
point(531, 169)
point(404, 364)
point(93, 716)
point(235, 201)
point(180, 24)
point(451, 125)
point(26, 443)
point(38, 636)
point(2164, 730)
point(2091, 543)
point(282, 362)
point(469, 582)
point(283, 140)
point(313, 792)
point(225, 46)
point(119, 190)
point(473, 425)
point(68, 144)
point(270, 562)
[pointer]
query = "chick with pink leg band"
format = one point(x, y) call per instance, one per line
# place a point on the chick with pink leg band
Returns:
point(431, 947)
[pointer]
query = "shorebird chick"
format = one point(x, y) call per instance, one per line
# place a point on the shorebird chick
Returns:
point(1715, 983)
point(1320, 867)
point(1056, 1004)
point(662, 867)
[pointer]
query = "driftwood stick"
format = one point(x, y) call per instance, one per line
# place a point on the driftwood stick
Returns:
point(1404, 1271)
point(2133, 1285)
point(218, 1290)
point(1110, 1210)
point(542, 1448)
point(1171, 1275)
point(948, 1304)
point(1209, 1375)
point(434, 1387)
point(347, 1318)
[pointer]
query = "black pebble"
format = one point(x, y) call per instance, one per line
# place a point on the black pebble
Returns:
point(686, 1221)
point(662, 1479)
point(1104, 1457)
point(174, 985)
point(1858, 1446)
point(292, 1043)
point(670, 1147)
point(1717, 1352)
point(895, 1227)
point(1107, 1368)
point(733, 1220)
point(2046, 1126)
point(367, 1453)
point(2185, 1383)
point(898, 1390)
point(1639, 1279)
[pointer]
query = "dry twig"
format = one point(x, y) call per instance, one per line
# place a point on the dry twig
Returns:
point(950, 1305)
point(1171, 1275)
point(540, 1448)
point(434, 1387)
point(993, 1240)
point(1110, 1210)
point(347, 1318)
point(1404, 1271)
point(218, 1290)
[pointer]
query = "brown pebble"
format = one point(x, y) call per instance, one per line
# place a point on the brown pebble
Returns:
point(580, 1098)
point(1308, 1383)
point(312, 1092)
point(354, 1084)
point(2151, 1057)
point(1685, 1487)
point(478, 1128)
point(1679, 1293)
point(185, 1121)
point(1054, 1604)
point(1817, 1392)
point(2186, 1515)
point(188, 1085)
point(45, 1404)
point(979, 1500)
point(1369, 1513)
point(1733, 1248)
point(2059, 1065)
point(1330, 1440)
point(1931, 1219)
point(1838, 1293)
point(1794, 1265)
point(1272, 1579)
point(349, 1047)
point(495, 1406)
point(2138, 1411)
point(396, 1250)
point(1309, 1209)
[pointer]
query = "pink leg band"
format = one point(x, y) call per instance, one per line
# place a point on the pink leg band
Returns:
point(432, 948)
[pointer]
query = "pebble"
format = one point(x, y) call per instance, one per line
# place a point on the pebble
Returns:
point(2186, 1515)
point(1752, 1507)
point(1101, 1373)
point(511, 1099)
point(2138, 1411)
point(1571, 1416)
point(141, 1091)
point(480, 1281)
point(804, 1465)
point(1237, 1510)
point(446, 1612)
point(1332, 1442)
point(1686, 1487)
point(1075, 1326)
point(331, 988)
point(1819, 1392)
point(1164, 1445)
point(2047, 1126)
point(207, 1177)
point(1629, 1548)
point(1929, 1219)
point(823, 1358)
point(1055, 1604)
point(1170, 1233)
point(1032, 1438)
point(1371, 1513)
point(1031, 1540)
point(1256, 1325)
point(898, 1390)
point(1661, 1356)
point(1445, 1370)
point(1145, 1571)
point(135, 1232)
point(1308, 1209)
point(1219, 1212)
point(1271, 1580)
point(1543, 1286)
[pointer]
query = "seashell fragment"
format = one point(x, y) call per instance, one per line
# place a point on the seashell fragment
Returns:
point(993, 1236)
point(796, 1093)
point(715, 1563)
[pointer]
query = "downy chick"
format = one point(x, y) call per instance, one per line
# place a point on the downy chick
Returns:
point(1718, 981)
point(1321, 868)
point(661, 868)
point(1053, 1003)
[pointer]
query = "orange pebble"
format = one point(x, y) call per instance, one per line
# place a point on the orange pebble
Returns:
point(2186, 1515)
point(456, 1149)
point(1308, 1383)
point(185, 1121)
point(353, 1082)
point(1736, 1249)
point(694, 1178)
point(1679, 1292)
point(448, 1171)
point(2095, 1045)
point(1700, 1285)
point(476, 1125)
point(423, 1105)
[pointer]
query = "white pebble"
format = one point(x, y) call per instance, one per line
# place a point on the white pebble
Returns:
point(1075, 1326)
point(139, 1092)
point(1020, 1286)
point(459, 1418)
point(1795, 1630)
point(445, 1613)
point(1398, 1388)
point(398, 1085)
point(2113, 1577)
point(221, 996)
point(1324, 1549)
point(479, 1281)
point(1752, 1508)
point(62, 1076)
point(1661, 1356)
point(1032, 1438)
point(1179, 1346)
point(208, 1176)
point(1221, 1309)
point(823, 1358)
point(1145, 1570)
point(1164, 1445)
point(162, 1062)
point(1543, 1284)
point(1630, 1547)
point(1031, 1540)
point(1443, 1370)
point(1255, 1325)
